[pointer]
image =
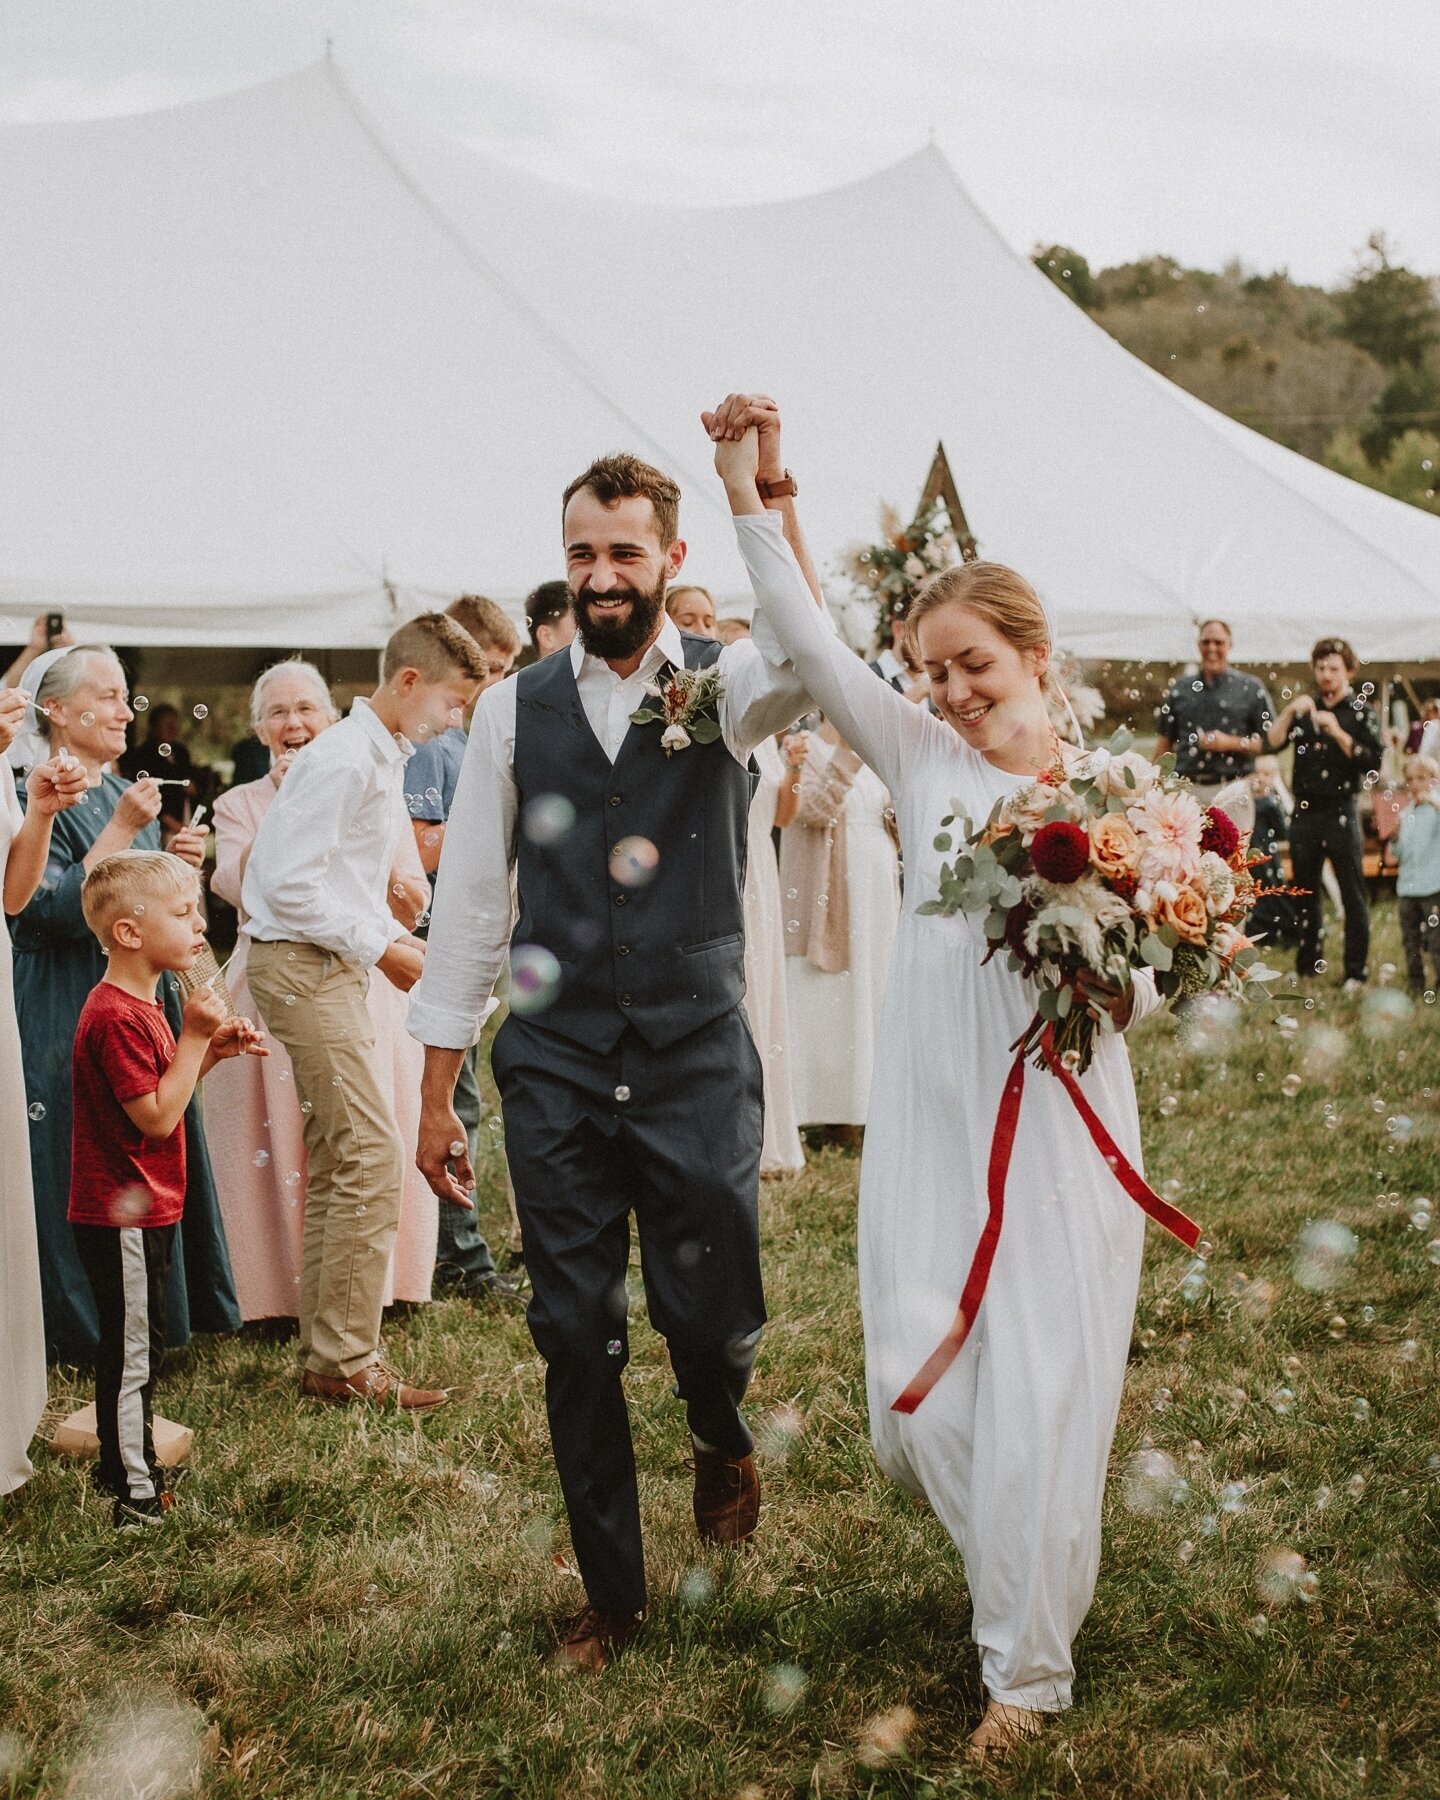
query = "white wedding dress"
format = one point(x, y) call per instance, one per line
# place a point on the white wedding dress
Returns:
point(1010, 1447)
point(782, 1152)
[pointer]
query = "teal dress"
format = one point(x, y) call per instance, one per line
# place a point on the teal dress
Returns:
point(57, 962)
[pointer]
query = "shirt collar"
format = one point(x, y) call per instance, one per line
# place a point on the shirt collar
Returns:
point(393, 746)
point(667, 647)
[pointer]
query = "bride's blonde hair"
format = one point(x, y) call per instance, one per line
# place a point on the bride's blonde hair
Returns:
point(1004, 599)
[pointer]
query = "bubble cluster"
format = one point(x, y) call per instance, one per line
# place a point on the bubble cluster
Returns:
point(1282, 1576)
point(783, 1688)
point(1152, 1484)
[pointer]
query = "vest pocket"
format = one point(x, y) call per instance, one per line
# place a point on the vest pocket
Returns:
point(719, 943)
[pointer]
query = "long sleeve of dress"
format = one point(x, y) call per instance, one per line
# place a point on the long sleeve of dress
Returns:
point(233, 837)
point(53, 911)
point(886, 729)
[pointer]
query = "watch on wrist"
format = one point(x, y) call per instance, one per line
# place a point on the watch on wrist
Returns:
point(782, 489)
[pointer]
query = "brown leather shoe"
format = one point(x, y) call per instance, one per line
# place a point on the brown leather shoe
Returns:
point(377, 1384)
point(591, 1640)
point(727, 1497)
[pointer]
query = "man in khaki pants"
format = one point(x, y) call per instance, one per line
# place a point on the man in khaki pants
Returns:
point(320, 931)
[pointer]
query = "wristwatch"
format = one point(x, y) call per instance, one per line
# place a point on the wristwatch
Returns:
point(782, 489)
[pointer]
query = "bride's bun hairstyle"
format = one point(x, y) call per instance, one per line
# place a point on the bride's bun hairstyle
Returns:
point(1003, 599)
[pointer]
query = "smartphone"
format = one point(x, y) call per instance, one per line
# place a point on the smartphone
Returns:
point(54, 625)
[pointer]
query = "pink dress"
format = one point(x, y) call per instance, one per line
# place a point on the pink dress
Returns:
point(252, 1118)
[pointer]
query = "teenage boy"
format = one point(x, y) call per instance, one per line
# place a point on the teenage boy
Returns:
point(464, 1262)
point(132, 1084)
point(1336, 737)
point(319, 924)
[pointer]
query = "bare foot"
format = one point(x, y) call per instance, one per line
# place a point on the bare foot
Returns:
point(1003, 1727)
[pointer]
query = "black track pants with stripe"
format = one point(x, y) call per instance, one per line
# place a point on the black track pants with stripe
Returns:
point(127, 1268)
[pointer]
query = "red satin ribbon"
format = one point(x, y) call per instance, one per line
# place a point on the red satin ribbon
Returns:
point(1001, 1145)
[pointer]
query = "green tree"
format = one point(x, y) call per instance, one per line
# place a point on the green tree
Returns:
point(1389, 310)
point(1069, 271)
point(1410, 472)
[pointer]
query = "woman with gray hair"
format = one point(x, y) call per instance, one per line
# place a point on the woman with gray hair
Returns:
point(252, 1115)
point(81, 707)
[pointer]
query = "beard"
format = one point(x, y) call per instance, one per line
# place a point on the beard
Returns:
point(617, 639)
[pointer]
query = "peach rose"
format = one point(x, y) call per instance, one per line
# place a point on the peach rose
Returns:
point(1186, 914)
point(1114, 847)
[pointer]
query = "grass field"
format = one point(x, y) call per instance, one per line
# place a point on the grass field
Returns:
point(357, 1605)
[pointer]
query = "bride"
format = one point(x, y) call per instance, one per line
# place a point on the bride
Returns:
point(1010, 1448)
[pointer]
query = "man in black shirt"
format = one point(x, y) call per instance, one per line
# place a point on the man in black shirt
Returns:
point(1215, 721)
point(1337, 743)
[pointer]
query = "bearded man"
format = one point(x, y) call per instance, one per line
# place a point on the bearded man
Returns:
point(628, 1078)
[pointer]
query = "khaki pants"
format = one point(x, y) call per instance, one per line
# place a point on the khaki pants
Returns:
point(314, 1004)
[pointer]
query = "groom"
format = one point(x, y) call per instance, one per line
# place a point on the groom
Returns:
point(627, 1075)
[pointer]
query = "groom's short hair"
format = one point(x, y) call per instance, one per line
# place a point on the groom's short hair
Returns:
point(612, 479)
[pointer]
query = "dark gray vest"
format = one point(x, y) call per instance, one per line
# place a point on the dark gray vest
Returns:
point(665, 957)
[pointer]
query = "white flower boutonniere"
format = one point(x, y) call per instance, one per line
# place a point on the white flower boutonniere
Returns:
point(689, 708)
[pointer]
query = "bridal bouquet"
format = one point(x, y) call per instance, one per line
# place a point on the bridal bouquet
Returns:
point(1107, 864)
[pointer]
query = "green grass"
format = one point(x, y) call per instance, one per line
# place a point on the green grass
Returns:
point(357, 1605)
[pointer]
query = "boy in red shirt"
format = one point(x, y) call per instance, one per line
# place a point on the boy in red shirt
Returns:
point(127, 1184)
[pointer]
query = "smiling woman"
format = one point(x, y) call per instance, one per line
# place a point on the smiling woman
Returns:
point(84, 712)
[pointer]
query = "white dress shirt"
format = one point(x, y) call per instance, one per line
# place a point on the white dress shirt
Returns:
point(473, 912)
point(321, 860)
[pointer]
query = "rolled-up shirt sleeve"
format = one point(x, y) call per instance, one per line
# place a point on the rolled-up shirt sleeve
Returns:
point(763, 693)
point(474, 910)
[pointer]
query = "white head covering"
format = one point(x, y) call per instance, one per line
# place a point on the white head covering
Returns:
point(31, 747)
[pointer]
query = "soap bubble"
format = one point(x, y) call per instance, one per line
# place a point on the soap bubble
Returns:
point(622, 1093)
point(1258, 1300)
point(885, 1738)
point(1290, 1086)
point(1325, 1049)
point(1168, 1105)
point(1282, 1400)
point(1161, 1400)
point(1282, 1576)
point(1209, 1023)
point(148, 1746)
point(614, 1347)
point(633, 862)
point(783, 1688)
point(139, 704)
point(1360, 1411)
point(780, 1431)
point(165, 750)
point(1195, 1282)
point(696, 1587)
point(1337, 1327)
point(1153, 1484)
point(458, 1147)
point(87, 718)
point(1355, 1487)
point(260, 1158)
point(1259, 1625)
point(1384, 1013)
point(36, 1110)
point(130, 1205)
point(1323, 1254)
point(534, 978)
point(548, 819)
point(200, 712)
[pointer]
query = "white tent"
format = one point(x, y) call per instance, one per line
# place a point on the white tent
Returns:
point(278, 368)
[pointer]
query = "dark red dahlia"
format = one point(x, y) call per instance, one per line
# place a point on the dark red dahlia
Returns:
point(1060, 851)
point(1016, 920)
point(1219, 833)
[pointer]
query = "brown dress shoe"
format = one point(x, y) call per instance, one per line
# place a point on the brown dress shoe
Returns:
point(727, 1497)
point(591, 1640)
point(377, 1384)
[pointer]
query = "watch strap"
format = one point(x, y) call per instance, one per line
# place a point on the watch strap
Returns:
point(782, 489)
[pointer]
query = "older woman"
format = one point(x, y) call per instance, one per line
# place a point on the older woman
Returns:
point(252, 1117)
point(82, 709)
point(24, 847)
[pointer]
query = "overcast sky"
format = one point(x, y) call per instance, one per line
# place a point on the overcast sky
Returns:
point(1281, 132)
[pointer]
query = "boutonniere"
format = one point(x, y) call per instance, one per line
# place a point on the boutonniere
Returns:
point(689, 708)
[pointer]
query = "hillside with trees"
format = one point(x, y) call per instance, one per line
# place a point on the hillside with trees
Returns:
point(1349, 377)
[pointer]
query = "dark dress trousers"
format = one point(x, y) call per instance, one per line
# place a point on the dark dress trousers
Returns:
point(637, 1090)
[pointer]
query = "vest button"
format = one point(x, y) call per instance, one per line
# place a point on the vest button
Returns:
point(625, 1000)
point(615, 799)
point(620, 899)
point(622, 949)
